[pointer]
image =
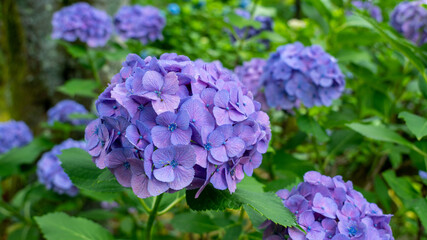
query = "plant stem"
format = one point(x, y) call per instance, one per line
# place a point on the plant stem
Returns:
point(152, 217)
point(171, 205)
point(94, 69)
point(144, 205)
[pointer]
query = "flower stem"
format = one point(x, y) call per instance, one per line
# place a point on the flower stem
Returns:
point(171, 205)
point(152, 217)
point(94, 69)
point(144, 205)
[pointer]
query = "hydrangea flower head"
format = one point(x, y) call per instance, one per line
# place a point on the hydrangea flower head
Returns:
point(143, 23)
point(61, 113)
point(329, 208)
point(249, 32)
point(14, 134)
point(296, 74)
point(410, 19)
point(83, 22)
point(373, 10)
point(171, 123)
point(250, 74)
point(50, 172)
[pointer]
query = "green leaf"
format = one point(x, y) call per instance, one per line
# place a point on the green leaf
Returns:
point(193, 223)
point(310, 126)
point(242, 22)
point(379, 133)
point(255, 217)
point(77, 163)
point(10, 161)
point(251, 184)
point(402, 186)
point(211, 199)
point(232, 233)
point(269, 205)
point(422, 85)
point(420, 207)
point(61, 226)
point(79, 87)
point(416, 124)
point(76, 51)
point(381, 190)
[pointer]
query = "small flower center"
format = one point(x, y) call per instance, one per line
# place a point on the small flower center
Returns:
point(352, 231)
point(227, 108)
point(193, 120)
point(158, 93)
point(102, 142)
point(296, 212)
point(232, 172)
point(140, 137)
point(308, 229)
point(208, 146)
point(119, 133)
point(126, 165)
point(174, 163)
point(114, 107)
point(141, 107)
point(207, 105)
point(172, 127)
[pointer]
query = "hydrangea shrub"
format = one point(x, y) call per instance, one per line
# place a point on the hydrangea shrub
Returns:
point(51, 174)
point(329, 208)
point(62, 110)
point(14, 134)
point(171, 123)
point(368, 6)
point(143, 23)
point(83, 22)
point(296, 74)
point(410, 19)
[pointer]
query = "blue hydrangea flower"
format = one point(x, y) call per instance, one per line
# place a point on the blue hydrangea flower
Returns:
point(410, 19)
point(244, 3)
point(373, 10)
point(250, 74)
point(422, 174)
point(14, 134)
point(50, 172)
point(296, 74)
point(329, 208)
point(174, 8)
point(171, 123)
point(83, 22)
point(143, 23)
point(61, 113)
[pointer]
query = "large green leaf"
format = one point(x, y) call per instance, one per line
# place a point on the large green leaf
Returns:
point(402, 186)
point(79, 87)
point(379, 133)
point(77, 163)
point(61, 226)
point(211, 199)
point(416, 124)
point(193, 222)
point(77, 51)
point(420, 207)
point(10, 161)
point(269, 205)
point(310, 126)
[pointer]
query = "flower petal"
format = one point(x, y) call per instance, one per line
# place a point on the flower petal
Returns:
point(164, 174)
point(183, 178)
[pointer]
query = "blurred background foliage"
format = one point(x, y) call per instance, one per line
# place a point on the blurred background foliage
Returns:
point(363, 136)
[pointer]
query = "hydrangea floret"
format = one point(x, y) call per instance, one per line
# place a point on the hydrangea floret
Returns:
point(329, 208)
point(171, 123)
point(50, 172)
point(83, 22)
point(62, 110)
point(143, 23)
point(410, 20)
point(296, 74)
point(14, 134)
point(250, 74)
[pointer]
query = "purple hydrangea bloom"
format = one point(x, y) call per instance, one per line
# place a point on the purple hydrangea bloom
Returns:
point(141, 23)
point(296, 74)
point(61, 113)
point(422, 174)
point(373, 10)
point(250, 74)
point(171, 123)
point(249, 32)
point(14, 134)
point(50, 172)
point(83, 22)
point(329, 208)
point(410, 19)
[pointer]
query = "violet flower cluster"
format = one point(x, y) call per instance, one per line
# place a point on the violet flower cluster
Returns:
point(249, 32)
point(410, 19)
point(368, 6)
point(329, 208)
point(61, 113)
point(50, 172)
point(14, 134)
point(83, 22)
point(141, 23)
point(250, 74)
point(296, 74)
point(170, 123)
